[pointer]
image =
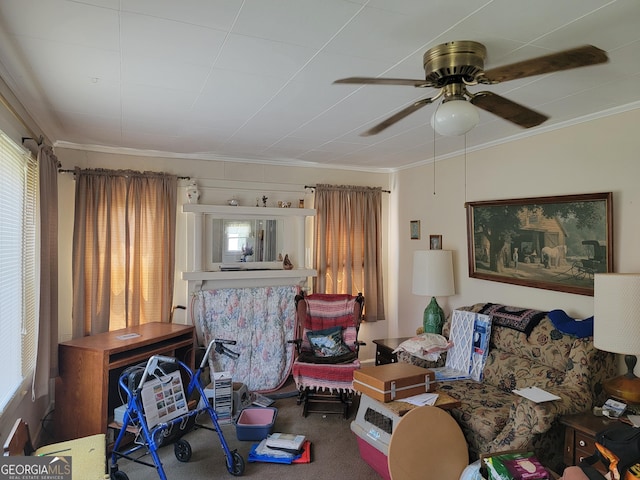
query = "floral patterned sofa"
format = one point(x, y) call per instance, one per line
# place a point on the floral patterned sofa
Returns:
point(494, 419)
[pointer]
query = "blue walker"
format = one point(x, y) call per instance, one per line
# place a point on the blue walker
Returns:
point(132, 381)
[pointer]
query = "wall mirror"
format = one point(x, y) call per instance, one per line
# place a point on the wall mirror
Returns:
point(243, 242)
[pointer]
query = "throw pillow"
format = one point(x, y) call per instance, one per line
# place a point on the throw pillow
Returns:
point(571, 326)
point(328, 342)
point(309, 357)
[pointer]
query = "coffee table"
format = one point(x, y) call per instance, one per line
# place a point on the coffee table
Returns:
point(444, 402)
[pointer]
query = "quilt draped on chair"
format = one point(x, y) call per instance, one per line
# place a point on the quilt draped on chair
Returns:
point(261, 320)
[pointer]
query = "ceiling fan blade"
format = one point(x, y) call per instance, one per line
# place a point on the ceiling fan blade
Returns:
point(398, 116)
point(511, 111)
point(565, 60)
point(384, 81)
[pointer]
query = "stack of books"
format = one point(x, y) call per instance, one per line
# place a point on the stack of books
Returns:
point(286, 442)
point(282, 448)
point(515, 466)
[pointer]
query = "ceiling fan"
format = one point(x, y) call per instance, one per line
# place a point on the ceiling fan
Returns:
point(452, 67)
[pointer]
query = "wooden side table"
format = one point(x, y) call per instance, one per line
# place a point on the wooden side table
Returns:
point(385, 348)
point(579, 437)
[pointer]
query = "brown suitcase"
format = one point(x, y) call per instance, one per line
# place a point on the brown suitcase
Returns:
point(393, 381)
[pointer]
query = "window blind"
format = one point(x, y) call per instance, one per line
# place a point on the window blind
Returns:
point(18, 286)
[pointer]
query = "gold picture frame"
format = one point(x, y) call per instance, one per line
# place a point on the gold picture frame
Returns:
point(554, 243)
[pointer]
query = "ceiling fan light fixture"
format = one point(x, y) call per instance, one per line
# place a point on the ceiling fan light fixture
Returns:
point(455, 117)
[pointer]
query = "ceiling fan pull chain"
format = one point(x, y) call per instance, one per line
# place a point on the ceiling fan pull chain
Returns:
point(434, 161)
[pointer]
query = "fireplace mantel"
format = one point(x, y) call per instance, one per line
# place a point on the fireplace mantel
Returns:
point(200, 275)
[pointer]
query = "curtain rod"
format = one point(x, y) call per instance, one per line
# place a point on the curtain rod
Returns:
point(39, 140)
point(18, 117)
point(68, 170)
point(313, 186)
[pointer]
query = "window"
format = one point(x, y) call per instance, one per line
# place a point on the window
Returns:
point(238, 234)
point(18, 286)
point(348, 244)
point(123, 248)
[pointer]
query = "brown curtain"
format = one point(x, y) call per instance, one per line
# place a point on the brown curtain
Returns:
point(123, 249)
point(47, 364)
point(348, 244)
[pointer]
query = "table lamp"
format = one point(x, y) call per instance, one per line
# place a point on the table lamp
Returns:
point(616, 328)
point(433, 276)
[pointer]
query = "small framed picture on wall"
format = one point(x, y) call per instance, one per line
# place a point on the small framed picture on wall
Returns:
point(414, 229)
point(435, 242)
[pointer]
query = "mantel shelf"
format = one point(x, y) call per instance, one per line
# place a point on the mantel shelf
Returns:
point(253, 211)
point(249, 274)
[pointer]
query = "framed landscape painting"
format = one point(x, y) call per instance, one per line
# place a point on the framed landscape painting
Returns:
point(555, 243)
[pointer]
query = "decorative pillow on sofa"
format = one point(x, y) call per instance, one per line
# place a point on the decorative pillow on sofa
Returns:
point(328, 342)
point(427, 346)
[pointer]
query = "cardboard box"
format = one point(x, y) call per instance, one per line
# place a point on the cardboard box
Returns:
point(393, 381)
point(241, 397)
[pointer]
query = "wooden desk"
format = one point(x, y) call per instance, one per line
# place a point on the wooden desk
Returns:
point(385, 348)
point(87, 389)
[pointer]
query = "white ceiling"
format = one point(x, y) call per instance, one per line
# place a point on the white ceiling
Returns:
point(252, 79)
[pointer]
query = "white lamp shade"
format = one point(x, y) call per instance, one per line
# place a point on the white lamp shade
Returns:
point(616, 312)
point(455, 117)
point(433, 273)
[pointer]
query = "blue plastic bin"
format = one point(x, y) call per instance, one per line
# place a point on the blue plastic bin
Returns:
point(255, 423)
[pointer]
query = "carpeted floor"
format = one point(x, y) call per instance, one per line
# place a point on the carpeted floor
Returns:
point(335, 452)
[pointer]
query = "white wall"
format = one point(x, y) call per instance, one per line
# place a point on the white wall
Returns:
point(219, 181)
point(597, 156)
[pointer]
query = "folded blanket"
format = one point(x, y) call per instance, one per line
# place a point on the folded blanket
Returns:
point(427, 346)
point(520, 319)
point(571, 326)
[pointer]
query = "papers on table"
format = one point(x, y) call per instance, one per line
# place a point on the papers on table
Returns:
point(422, 399)
point(634, 419)
point(536, 394)
point(128, 336)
